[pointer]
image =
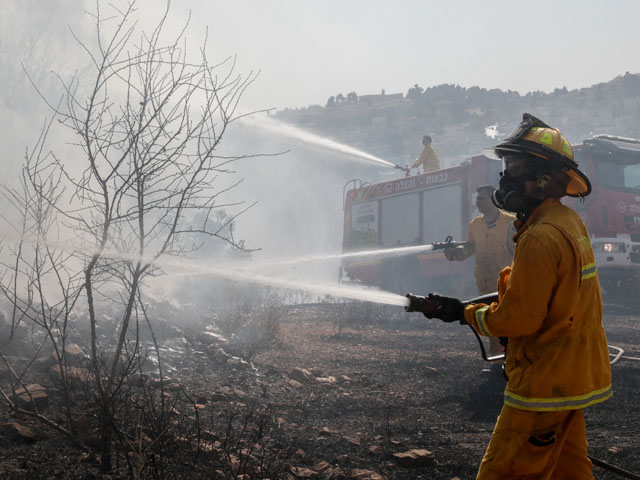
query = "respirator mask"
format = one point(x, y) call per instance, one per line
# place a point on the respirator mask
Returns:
point(511, 194)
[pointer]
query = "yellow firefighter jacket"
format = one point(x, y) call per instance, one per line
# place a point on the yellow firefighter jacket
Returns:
point(492, 247)
point(551, 310)
point(428, 159)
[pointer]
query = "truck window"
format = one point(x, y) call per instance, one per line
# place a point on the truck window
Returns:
point(400, 217)
point(441, 213)
point(632, 177)
point(364, 224)
point(618, 176)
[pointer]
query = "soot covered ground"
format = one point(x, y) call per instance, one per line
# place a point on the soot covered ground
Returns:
point(422, 384)
point(348, 393)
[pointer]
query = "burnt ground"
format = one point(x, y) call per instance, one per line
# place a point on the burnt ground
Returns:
point(342, 397)
point(422, 384)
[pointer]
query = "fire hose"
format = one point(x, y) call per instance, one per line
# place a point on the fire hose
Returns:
point(422, 304)
point(406, 170)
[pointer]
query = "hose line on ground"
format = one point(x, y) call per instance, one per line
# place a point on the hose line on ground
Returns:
point(617, 356)
point(613, 468)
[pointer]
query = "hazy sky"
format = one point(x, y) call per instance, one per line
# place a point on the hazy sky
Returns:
point(309, 50)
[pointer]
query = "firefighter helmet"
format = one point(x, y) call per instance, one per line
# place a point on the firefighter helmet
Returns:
point(534, 137)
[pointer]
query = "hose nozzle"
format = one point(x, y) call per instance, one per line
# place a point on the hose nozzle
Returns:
point(418, 303)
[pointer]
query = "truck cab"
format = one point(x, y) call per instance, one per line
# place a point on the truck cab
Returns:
point(612, 211)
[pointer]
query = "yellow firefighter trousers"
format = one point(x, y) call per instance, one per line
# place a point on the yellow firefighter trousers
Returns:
point(537, 445)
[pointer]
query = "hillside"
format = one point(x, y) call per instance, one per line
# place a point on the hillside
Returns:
point(391, 125)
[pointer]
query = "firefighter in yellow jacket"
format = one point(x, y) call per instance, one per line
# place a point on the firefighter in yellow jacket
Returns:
point(428, 159)
point(490, 240)
point(550, 309)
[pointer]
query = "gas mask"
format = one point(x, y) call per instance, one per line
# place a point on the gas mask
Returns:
point(511, 194)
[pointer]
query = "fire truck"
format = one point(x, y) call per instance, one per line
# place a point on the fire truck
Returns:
point(426, 208)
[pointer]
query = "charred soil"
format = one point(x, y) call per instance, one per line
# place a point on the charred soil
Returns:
point(390, 395)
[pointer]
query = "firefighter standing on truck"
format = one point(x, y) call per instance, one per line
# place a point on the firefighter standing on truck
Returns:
point(428, 159)
point(490, 240)
point(550, 309)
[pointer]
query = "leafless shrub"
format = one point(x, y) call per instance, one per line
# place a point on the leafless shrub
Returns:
point(89, 234)
point(251, 318)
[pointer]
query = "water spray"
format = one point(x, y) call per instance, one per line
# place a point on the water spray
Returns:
point(280, 128)
point(380, 252)
point(185, 267)
point(250, 274)
point(344, 291)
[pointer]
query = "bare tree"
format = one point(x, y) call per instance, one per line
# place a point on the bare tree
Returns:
point(146, 131)
point(38, 283)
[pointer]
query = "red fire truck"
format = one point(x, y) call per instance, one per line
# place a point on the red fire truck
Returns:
point(426, 208)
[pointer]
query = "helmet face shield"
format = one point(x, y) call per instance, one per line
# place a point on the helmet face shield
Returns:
point(521, 130)
point(518, 166)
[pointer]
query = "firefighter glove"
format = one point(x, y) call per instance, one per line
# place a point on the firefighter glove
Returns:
point(450, 253)
point(447, 309)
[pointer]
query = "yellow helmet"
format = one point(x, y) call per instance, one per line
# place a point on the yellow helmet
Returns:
point(534, 137)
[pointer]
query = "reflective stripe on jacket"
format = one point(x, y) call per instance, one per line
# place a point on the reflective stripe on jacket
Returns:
point(550, 308)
